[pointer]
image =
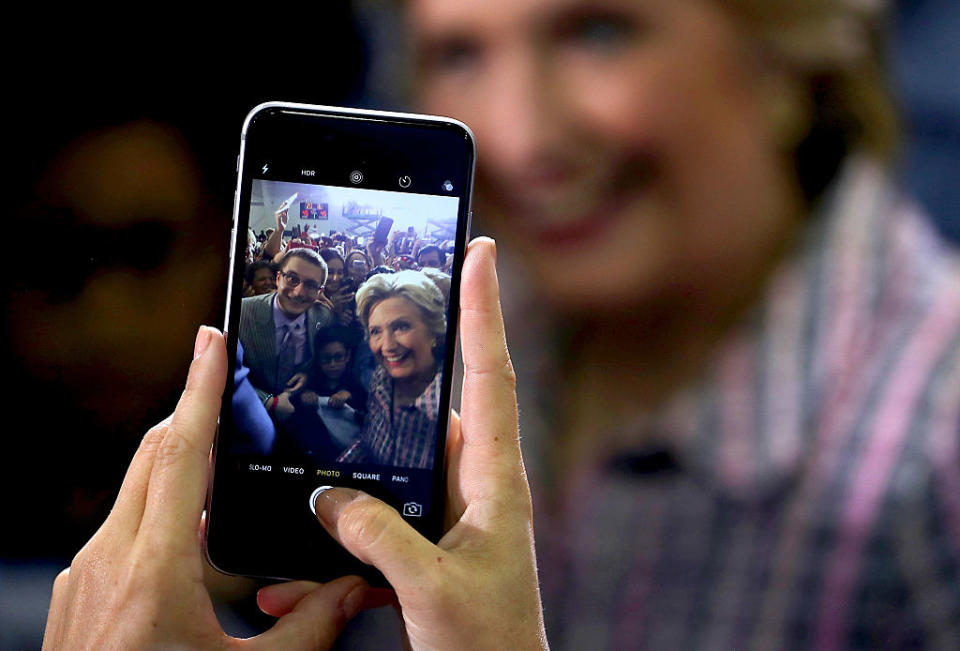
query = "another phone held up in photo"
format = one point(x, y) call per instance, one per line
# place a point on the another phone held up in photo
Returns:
point(341, 373)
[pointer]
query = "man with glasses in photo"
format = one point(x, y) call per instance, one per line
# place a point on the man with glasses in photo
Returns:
point(278, 333)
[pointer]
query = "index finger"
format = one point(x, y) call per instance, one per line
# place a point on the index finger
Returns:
point(178, 481)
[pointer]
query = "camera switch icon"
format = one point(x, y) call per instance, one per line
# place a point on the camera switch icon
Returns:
point(412, 510)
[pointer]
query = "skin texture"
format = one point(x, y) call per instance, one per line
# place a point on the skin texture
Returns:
point(334, 275)
point(139, 581)
point(477, 588)
point(396, 330)
point(263, 282)
point(431, 259)
point(630, 134)
point(294, 301)
point(638, 141)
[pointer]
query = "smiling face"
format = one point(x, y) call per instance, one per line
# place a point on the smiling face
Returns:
point(400, 341)
point(633, 134)
point(294, 300)
point(264, 281)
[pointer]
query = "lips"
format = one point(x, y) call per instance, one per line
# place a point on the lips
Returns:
point(396, 360)
point(574, 229)
point(568, 211)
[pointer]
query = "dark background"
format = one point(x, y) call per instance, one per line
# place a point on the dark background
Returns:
point(120, 135)
point(121, 193)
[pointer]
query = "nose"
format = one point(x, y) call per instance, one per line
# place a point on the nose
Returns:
point(299, 290)
point(520, 127)
point(388, 341)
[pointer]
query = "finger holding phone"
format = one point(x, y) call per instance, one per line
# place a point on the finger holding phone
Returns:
point(479, 583)
point(138, 582)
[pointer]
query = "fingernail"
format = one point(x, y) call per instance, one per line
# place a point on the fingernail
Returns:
point(203, 340)
point(354, 599)
point(330, 501)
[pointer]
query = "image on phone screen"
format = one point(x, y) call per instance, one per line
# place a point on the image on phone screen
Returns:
point(342, 365)
point(355, 387)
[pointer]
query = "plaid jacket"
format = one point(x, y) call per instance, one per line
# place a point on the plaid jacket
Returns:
point(807, 493)
point(402, 436)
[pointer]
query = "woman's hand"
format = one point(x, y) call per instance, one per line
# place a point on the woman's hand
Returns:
point(138, 583)
point(478, 587)
point(323, 301)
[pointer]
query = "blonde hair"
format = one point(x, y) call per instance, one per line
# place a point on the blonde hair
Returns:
point(835, 48)
point(416, 288)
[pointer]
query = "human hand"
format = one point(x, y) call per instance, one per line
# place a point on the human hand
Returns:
point(478, 585)
point(341, 299)
point(138, 582)
point(309, 399)
point(339, 398)
point(282, 218)
point(284, 408)
point(324, 301)
point(296, 382)
point(345, 317)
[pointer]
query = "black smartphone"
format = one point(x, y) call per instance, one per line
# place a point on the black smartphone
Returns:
point(383, 230)
point(279, 440)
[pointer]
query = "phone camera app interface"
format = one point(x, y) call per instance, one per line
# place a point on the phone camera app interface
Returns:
point(343, 338)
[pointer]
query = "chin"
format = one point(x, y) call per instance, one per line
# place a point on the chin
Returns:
point(399, 375)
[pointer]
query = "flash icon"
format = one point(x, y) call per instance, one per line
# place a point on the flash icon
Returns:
point(266, 166)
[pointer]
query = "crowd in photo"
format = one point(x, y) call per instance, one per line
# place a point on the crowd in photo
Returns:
point(342, 340)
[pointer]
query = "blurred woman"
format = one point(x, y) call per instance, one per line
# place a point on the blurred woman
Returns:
point(404, 317)
point(338, 290)
point(741, 406)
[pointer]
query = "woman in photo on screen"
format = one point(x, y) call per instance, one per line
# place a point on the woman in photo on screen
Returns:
point(404, 318)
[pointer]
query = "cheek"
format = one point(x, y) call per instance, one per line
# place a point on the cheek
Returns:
point(424, 349)
point(619, 104)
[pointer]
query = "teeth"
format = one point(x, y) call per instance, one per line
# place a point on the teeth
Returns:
point(395, 359)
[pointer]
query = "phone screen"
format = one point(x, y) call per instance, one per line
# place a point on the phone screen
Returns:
point(331, 387)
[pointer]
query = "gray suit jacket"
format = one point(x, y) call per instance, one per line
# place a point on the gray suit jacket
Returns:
point(259, 339)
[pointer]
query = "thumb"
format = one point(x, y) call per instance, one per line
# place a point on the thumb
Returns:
point(376, 534)
point(317, 619)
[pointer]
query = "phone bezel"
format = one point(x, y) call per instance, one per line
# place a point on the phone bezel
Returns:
point(431, 527)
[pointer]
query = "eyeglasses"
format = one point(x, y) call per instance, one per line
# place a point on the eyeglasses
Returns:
point(293, 280)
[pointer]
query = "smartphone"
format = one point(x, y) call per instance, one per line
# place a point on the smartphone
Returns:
point(277, 444)
point(289, 202)
point(382, 230)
